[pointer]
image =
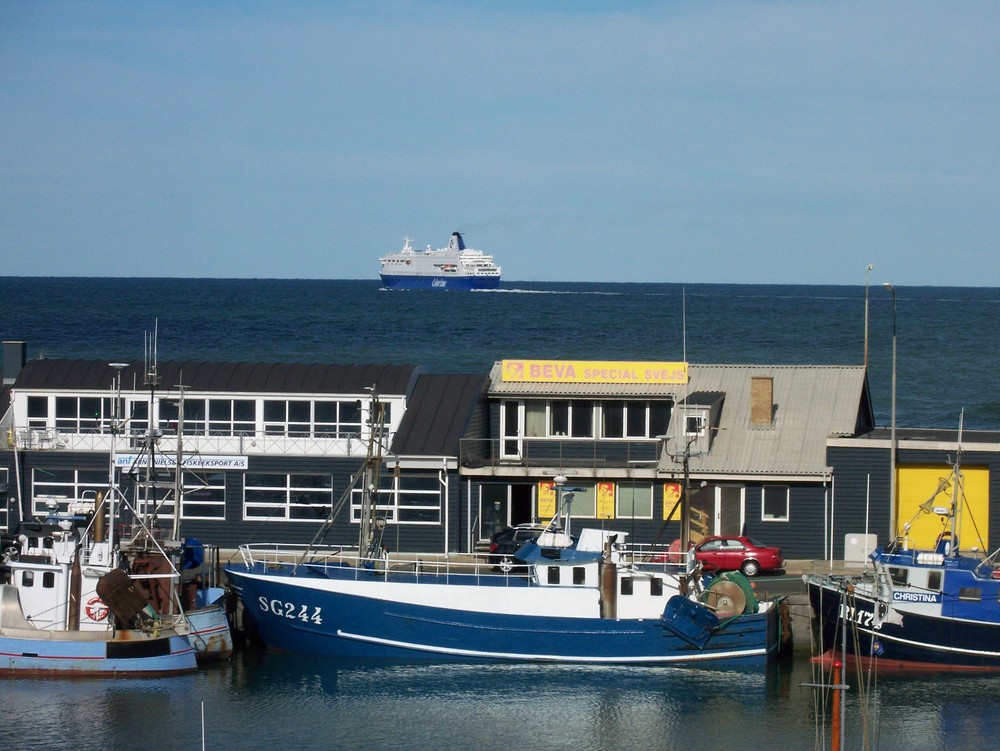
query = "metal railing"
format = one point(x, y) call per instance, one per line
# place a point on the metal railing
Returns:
point(580, 453)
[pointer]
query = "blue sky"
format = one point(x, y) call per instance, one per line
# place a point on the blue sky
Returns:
point(785, 142)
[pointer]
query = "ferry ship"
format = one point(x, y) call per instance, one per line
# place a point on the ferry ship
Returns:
point(454, 267)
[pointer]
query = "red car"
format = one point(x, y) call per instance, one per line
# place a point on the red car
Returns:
point(742, 554)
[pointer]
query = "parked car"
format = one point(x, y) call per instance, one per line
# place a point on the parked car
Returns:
point(737, 553)
point(505, 543)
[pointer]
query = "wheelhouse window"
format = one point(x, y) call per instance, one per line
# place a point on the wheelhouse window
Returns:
point(775, 503)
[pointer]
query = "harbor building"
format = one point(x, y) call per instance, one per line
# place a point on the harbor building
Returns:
point(271, 451)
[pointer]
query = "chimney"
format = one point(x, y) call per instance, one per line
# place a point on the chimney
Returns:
point(761, 401)
point(15, 355)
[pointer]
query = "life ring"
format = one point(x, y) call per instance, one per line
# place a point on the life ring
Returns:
point(96, 609)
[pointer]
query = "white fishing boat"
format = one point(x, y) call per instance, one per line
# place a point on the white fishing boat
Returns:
point(67, 607)
point(171, 569)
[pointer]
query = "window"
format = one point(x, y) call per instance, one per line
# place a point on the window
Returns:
point(287, 497)
point(534, 419)
point(411, 498)
point(195, 413)
point(970, 594)
point(579, 575)
point(38, 411)
point(59, 487)
point(582, 500)
point(626, 587)
point(82, 414)
point(231, 417)
point(204, 496)
point(634, 419)
point(320, 419)
point(694, 424)
point(656, 587)
point(635, 500)
point(573, 419)
point(4, 504)
point(775, 503)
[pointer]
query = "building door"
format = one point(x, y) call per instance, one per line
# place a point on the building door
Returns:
point(510, 419)
point(493, 505)
point(729, 510)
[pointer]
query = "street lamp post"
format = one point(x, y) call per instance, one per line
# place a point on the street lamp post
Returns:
point(892, 429)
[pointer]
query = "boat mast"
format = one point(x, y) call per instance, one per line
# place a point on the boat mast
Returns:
point(957, 490)
point(370, 522)
point(175, 531)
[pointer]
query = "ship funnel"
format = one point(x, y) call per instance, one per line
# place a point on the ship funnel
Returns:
point(456, 242)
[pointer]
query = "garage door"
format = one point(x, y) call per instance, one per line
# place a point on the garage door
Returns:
point(934, 487)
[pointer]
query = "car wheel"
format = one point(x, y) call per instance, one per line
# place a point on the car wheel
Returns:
point(750, 568)
point(506, 564)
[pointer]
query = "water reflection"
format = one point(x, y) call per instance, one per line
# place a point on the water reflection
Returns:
point(268, 701)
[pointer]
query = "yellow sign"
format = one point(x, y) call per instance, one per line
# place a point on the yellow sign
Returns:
point(546, 500)
point(593, 371)
point(671, 495)
point(605, 500)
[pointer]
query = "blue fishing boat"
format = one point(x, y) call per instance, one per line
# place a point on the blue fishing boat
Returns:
point(572, 598)
point(917, 608)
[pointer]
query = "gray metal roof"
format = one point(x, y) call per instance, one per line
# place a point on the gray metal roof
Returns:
point(437, 415)
point(811, 403)
point(223, 377)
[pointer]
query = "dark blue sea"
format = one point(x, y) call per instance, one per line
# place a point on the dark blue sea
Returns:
point(947, 338)
point(948, 357)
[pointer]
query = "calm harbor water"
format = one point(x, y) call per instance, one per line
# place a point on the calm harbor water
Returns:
point(948, 342)
point(279, 701)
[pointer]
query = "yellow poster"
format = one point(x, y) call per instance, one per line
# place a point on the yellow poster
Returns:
point(546, 501)
point(671, 495)
point(605, 500)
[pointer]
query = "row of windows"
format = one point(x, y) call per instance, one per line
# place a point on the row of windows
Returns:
point(407, 499)
point(585, 418)
point(216, 417)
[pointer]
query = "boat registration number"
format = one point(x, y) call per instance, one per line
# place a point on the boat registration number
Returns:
point(291, 610)
point(864, 618)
